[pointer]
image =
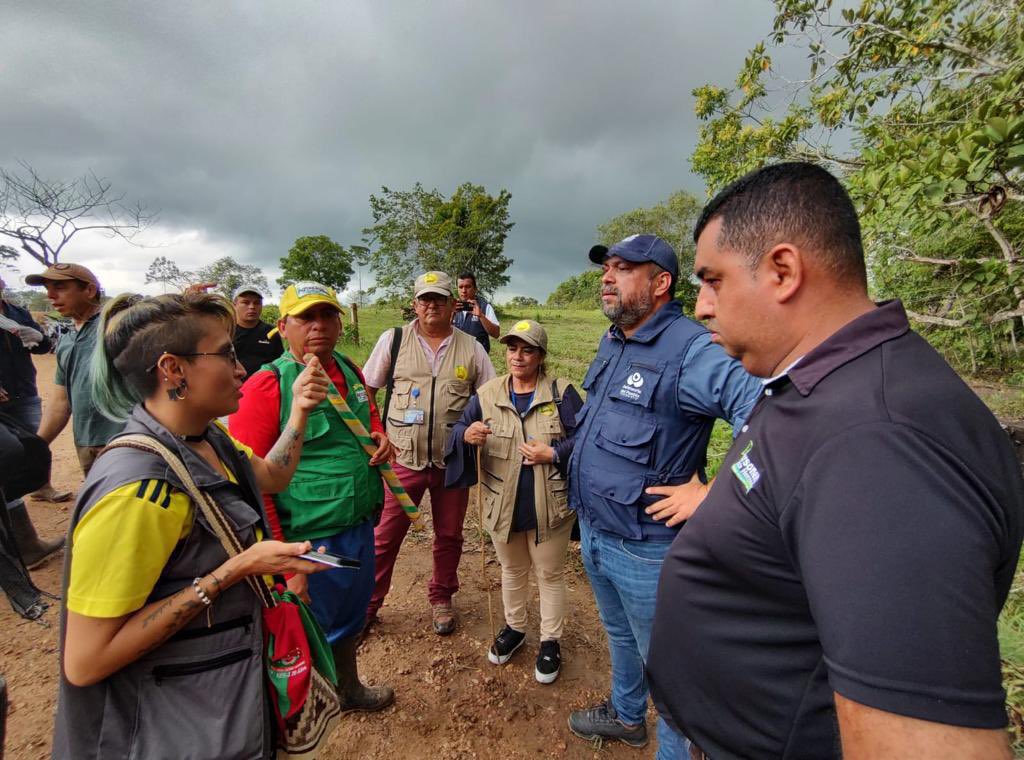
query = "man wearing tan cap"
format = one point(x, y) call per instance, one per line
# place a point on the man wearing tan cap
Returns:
point(75, 292)
point(430, 371)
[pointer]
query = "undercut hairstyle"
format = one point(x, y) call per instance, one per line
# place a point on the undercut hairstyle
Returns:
point(136, 332)
point(793, 202)
point(466, 276)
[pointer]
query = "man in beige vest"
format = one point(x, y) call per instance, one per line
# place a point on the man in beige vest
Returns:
point(434, 373)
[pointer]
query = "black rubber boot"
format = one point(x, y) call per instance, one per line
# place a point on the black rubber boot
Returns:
point(34, 551)
point(353, 695)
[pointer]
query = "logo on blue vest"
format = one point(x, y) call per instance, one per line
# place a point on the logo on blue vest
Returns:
point(744, 469)
point(630, 390)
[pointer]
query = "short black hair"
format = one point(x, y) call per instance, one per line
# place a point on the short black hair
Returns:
point(466, 276)
point(795, 201)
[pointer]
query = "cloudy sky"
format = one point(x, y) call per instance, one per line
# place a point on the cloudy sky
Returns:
point(250, 124)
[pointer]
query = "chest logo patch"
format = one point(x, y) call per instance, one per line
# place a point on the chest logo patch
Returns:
point(745, 470)
point(461, 372)
point(630, 390)
point(361, 394)
point(548, 410)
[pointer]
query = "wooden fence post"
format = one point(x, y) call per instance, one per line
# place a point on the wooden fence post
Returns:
point(355, 322)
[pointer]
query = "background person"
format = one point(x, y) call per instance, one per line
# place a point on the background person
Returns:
point(256, 342)
point(20, 337)
point(866, 525)
point(162, 645)
point(654, 391)
point(75, 292)
point(436, 371)
point(480, 321)
point(524, 421)
point(336, 489)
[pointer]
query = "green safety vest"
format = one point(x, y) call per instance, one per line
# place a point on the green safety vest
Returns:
point(334, 487)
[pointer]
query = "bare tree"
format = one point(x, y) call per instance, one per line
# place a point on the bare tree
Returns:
point(44, 215)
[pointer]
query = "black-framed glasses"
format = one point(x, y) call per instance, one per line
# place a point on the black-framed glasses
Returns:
point(228, 353)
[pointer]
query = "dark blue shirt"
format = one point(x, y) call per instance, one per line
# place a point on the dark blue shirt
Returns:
point(17, 373)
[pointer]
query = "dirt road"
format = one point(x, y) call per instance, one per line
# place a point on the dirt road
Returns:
point(451, 703)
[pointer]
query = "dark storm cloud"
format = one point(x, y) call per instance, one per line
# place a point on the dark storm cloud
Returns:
point(258, 123)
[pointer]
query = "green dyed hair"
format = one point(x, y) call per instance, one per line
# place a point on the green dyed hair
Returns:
point(135, 332)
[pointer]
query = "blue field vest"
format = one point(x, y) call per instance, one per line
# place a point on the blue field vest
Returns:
point(632, 432)
point(466, 322)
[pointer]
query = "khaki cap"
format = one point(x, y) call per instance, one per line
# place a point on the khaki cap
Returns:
point(433, 282)
point(527, 331)
point(64, 272)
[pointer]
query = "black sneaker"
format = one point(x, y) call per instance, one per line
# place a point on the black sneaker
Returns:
point(505, 645)
point(549, 661)
point(602, 722)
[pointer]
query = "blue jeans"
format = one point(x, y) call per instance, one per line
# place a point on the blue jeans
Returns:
point(29, 412)
point(624, 576)
point(340, 595)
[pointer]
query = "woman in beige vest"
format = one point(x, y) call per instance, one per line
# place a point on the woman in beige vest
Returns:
point(524, 423)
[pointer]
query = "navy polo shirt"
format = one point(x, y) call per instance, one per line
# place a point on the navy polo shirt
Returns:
point(861, 538)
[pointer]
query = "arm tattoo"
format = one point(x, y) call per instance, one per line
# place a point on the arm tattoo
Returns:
point(281, 454)
point(179, 608)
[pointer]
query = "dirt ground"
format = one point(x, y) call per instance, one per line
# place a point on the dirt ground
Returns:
point(450, 701)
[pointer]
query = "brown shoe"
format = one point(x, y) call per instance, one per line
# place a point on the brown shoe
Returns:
point(51, 494)
point(444, 618)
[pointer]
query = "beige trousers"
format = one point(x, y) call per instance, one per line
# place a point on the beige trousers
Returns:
point(548, 563)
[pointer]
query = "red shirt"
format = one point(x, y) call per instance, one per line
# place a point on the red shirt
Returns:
point(257, 423)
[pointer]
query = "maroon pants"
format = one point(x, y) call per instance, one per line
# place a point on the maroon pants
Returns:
point(448, 510)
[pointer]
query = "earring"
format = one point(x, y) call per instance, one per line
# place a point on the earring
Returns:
point(178, 394)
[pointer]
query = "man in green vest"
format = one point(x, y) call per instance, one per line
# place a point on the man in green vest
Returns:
point(336, 489)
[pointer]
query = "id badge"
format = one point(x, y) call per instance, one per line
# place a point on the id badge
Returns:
point(413, 417)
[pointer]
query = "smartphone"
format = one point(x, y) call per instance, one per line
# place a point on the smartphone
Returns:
point(334, 560)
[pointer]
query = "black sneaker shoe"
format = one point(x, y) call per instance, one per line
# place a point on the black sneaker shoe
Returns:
point(602, 722)
point(549, 661)
point(505, 645)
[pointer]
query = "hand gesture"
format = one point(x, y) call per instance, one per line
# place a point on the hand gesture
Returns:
point(680, 501)
point(385, 451)
point(199, 287)
point(310, 387)
point(476, 434)
point(535, 452)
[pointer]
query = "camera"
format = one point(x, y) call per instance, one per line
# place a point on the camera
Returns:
point(466, 306)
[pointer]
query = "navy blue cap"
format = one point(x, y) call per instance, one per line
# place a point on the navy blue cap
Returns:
point(640, 249)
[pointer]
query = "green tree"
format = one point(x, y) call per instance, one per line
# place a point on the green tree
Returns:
point(418, 230)
point(928, 96)
point(228, 275)
point(581, 291)
point(317, 258)
point(168, 274)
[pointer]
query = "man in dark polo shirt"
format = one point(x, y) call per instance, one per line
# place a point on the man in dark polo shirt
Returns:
point(254, 344)
point(836, 594)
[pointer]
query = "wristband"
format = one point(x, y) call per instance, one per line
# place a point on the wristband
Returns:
point(203, 596)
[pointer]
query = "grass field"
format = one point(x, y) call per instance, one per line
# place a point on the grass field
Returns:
point(572, 341)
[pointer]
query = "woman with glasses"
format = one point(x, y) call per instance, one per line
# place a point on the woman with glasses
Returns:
point(523, 424)
point(162, 643)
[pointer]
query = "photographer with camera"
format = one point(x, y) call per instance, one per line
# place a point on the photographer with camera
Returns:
point(473, 313)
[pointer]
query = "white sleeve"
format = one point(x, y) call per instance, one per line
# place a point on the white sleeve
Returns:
point(489, 313)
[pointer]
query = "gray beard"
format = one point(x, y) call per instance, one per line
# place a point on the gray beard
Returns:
point(626, 315)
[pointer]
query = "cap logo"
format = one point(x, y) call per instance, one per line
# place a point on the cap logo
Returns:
point(430, 277)
point(61, 267)
point(631, 238)
point(522, 326)
point(303, 289)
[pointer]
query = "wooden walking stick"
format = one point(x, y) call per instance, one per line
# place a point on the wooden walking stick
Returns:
point(483, 550)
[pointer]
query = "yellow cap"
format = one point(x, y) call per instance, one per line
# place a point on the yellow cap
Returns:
point(301, 296)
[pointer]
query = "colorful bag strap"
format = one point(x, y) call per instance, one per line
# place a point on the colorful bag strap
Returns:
point(206, 503)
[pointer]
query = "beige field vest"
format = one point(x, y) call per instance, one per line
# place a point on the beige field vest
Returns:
point(500, 460)
point(441, 398)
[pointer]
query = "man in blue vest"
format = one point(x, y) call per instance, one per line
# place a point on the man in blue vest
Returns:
point(474, 314)
point(654, 391)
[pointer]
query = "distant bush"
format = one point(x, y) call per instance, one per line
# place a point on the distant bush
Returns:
point(581, 291)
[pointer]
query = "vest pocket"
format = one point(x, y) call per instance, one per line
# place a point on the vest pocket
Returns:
point(317, 425)
point(400, 396)
point(202, 708)
point(626, 437)
point(498, 444)
point(317, 495)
